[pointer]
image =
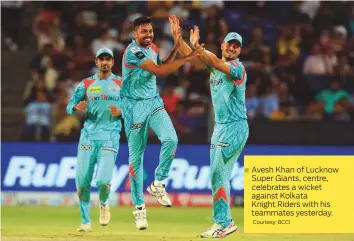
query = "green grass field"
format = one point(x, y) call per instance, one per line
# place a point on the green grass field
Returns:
point(182, 224)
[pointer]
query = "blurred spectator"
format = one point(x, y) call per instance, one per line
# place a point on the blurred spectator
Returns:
point(38, 118)
point(286, 112)
point(68, 126)
point(159, 9)
point(270, 102)
point(253, 102)
point(318, 63)
point(106, 41)
point(288, 45)
point(341, 111)
point(46, 28)
point(330, 97)
point(170, 99)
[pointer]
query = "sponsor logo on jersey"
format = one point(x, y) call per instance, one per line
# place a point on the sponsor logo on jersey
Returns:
point(96, 89)
point(85, 147)
point(140, 55)
point(136, 126)
point(103, 97)
point(223, 144)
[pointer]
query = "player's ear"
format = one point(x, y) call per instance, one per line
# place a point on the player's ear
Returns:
point(96, 62)
point(113, 62)
point(135, 35)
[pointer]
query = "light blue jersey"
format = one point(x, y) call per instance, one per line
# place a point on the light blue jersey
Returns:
point(99, 94)
point(228, 93)
point(137, 82)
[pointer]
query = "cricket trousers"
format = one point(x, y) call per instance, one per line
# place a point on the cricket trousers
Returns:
point(92, 152)
point(227, 143)
point(139, 116)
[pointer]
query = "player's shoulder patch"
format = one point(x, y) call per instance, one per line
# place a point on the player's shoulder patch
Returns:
point(88, 81)
point(137, 51)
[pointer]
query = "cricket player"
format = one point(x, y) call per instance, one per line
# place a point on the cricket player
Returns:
point(227, 86)
point(142, 107)
point(98, 97)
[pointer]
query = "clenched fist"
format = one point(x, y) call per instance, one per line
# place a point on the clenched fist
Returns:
point(115, 111)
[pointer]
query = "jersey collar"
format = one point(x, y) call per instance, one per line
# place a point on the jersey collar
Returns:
point(109, 77)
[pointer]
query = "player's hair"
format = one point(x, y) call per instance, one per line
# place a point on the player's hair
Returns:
point(142, 20)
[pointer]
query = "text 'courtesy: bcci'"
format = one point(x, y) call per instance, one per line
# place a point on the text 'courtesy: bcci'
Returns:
point(299, 194)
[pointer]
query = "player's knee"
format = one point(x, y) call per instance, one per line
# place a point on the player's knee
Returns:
point(102, 184)
point(84, 193)
point(171, 140)
point(216, 177)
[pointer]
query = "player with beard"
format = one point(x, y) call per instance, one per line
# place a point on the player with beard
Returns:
point(227, 86)
point(142, 107)
point(98, 98)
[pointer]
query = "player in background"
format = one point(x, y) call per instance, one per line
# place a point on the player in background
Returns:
point(98, 97)
point(227, 86)
point(142, 107)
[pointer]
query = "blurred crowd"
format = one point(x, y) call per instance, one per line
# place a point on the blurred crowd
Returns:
point(299, 58)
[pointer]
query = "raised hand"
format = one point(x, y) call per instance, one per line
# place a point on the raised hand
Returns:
point(175, 28)
point(115, 111)
point(194, 36)
point(195, 53)
point(81, 106)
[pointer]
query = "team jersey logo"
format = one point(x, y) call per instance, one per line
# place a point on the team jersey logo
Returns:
point(112, 88)
point(216, 82)
point(137, 52)
point(135, 49)
point(95, 90)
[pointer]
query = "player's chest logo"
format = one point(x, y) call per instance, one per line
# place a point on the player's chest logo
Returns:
point(113, 88)
point(216, 82)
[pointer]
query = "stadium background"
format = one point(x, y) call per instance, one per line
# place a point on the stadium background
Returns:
point(299, 57)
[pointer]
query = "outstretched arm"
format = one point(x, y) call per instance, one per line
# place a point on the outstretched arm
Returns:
point(166, 69)
point(183, 48)
point(234, 69)
point(134, 56)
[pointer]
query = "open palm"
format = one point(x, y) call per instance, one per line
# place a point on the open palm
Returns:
point(194, 36)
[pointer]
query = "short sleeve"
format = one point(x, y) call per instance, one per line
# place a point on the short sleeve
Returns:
point(135, 56)
point(237, 71)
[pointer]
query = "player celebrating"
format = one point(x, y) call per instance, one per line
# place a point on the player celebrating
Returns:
point(142, 107)
point(98, 96)
point(227, 85)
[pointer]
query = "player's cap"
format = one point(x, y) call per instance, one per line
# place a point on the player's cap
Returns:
point(104, 51)
point(233, 36)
